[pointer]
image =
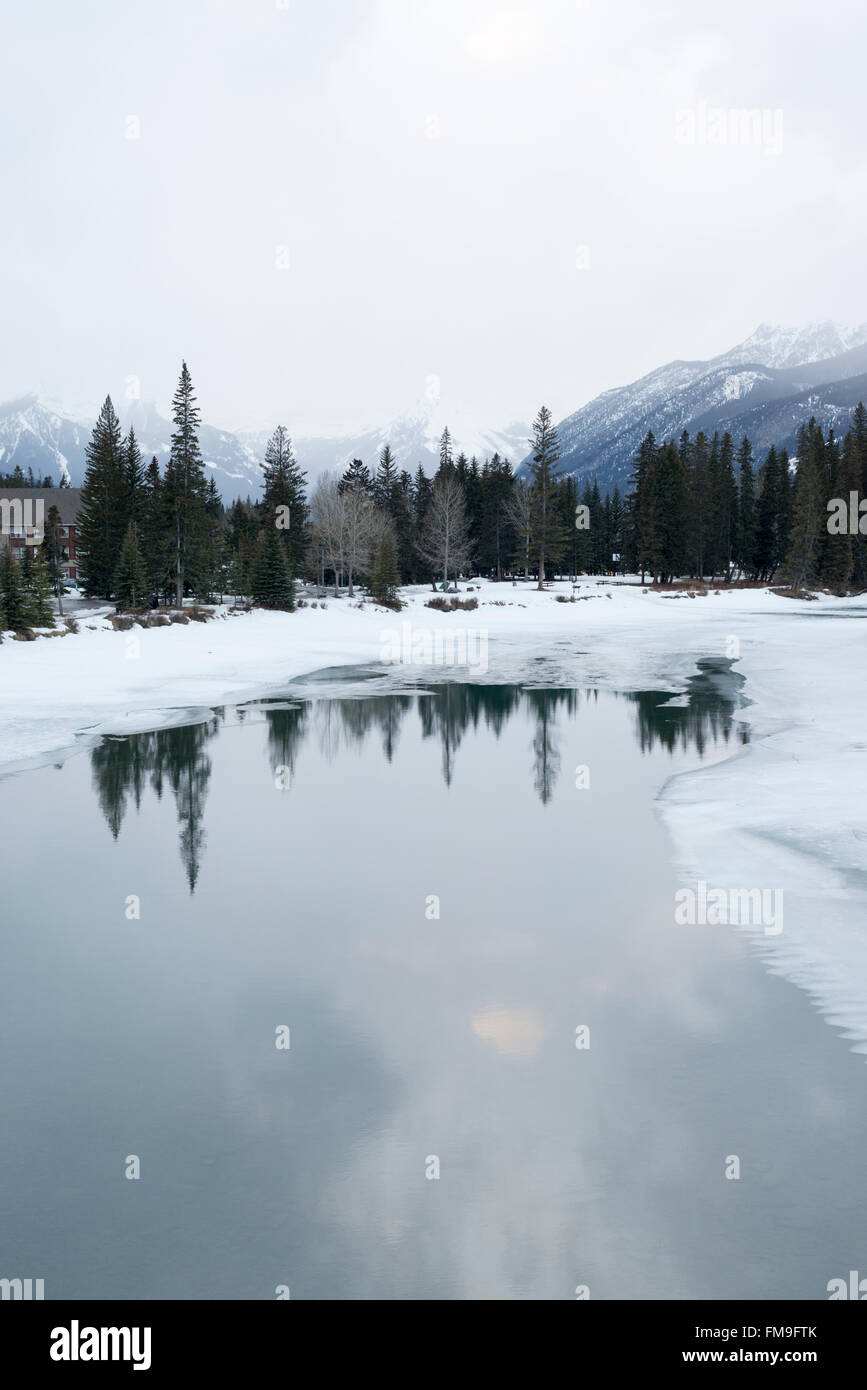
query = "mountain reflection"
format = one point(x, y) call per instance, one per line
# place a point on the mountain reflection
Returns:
point(123, 767)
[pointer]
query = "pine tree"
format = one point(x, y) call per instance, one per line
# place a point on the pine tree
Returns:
point(547, 531)
point(154, 531)
point(280, 494)
point(216, 542)
point(769, 520)
point(385, 481)
point(53, 555)
point(699, 504)
point(185, 489)
point(421, 495)
point(723, 506)
point(640, 505)
point(670, 510)
point(101, 518)
point(131, 586)
point(36, 596)
point(358, 476)
point(838, 563)
point(384, 576)
point(134, 479)
point(271, 582)
point(401, 518)
point(745, 548)
point(618, 541)
point(445, 451)
point(859, 463)
point(584, 546)
point(496, 533)
point(809, 515)
point(11, 590)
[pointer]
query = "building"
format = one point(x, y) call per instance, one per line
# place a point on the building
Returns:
point(24, 511)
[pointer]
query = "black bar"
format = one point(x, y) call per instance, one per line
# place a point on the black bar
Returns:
point(226, 1338)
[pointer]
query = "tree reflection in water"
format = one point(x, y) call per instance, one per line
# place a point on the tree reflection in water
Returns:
point(124, 766)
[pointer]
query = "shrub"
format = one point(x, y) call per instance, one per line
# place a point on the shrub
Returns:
point(451, 605)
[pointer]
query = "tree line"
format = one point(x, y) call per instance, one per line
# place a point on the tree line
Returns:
point(703, 508)
point(700, 507)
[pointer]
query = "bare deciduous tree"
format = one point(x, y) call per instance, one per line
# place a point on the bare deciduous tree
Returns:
point(446, 541)
point(348, 525)
point(520, 514)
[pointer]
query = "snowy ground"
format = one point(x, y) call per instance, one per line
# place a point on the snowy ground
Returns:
point(787, 811)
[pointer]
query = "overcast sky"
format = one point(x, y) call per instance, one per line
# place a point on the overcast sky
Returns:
point(329, 203)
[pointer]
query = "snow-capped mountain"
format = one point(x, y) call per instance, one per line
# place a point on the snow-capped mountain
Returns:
point(775, 346)
point(38, 434)
point(766, 381)
point(764, 387)
point(35, 434)
point(414, 439)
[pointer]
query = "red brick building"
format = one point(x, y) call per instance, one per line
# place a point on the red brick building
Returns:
point(24, 512)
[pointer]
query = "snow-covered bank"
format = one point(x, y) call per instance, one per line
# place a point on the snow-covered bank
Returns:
point(787, 811)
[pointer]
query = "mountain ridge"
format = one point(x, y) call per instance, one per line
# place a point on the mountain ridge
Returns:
point(816, 369)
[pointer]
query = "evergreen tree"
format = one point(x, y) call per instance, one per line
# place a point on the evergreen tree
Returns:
point(401, 517)
point(154, 531)
point(618, 540)
point(640, 506)
point(101, 515)
point(358, 476)
point(566, 503)
point(585, 540)
point(670, 504)
point(384, 576)
point(36, 595)
point(11, 590)
point(496, 532)
point(279, 490)
point(446, 454)
point(134, 479)
point(723, 506)
point(770, 520)
point(421, 495)
point(131, 586)
point(53, 555)
point(809, 515)
point(547, 530)
point(699, 504)
point(747, 522)
point(385, 481)
point(271, 582)
point(185, 491)
point(839, 564)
